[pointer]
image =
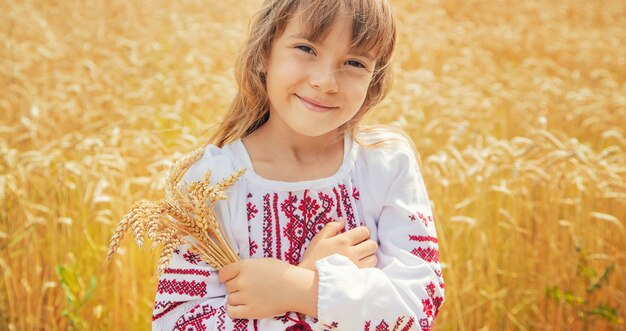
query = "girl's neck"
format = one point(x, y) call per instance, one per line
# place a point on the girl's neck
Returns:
point(294, 148)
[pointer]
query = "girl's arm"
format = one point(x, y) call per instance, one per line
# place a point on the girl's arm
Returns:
point(406, 289)
point(190, 295)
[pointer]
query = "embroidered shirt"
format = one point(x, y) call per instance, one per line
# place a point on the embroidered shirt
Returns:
point(381, 188)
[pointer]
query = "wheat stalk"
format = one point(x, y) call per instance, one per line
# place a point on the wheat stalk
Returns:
point(186, 215)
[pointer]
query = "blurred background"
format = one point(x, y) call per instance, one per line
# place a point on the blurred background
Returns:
point(518, 109)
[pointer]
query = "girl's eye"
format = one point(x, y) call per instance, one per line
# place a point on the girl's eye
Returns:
point(306, 49)
point(356, 64)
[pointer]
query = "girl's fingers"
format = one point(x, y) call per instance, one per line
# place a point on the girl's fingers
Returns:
point(356, 235)
point(332, 228)
point(228, 272)
point(232, 285)
point(234, 299)
point(368, 262)
point(366, 248)
point(236, 311)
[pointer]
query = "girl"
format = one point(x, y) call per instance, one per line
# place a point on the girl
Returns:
point(331, 219)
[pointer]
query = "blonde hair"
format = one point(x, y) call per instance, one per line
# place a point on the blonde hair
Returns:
point(373, 26)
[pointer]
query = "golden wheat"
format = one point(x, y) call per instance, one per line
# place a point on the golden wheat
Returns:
point(187, 214)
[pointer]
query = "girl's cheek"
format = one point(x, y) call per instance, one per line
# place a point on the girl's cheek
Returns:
point(356, 82)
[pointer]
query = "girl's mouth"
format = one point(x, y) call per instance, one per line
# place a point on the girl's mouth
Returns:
point(316, 106)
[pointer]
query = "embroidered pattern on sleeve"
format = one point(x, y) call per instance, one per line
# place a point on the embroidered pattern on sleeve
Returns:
point(402, 323)
point(164, 307)
point(424, 219)
point(193, 320)
point(176, 271)
point(192, 288)
point(192, 257)
point(427, 254)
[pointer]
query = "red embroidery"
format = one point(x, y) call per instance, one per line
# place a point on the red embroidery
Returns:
point(331, 326)
point(193, 320)
point(308, 207)
point(384, 326)
point(423, 238)
point(427, 307)
point(167, 305)
point(356, 194)
point(317, 224)
point(221, 317)
point(399, 322)
point(426, 324)
point(299, 326)
point(278, 235)
point(436, 301)
point(192, 288)
point(240, 324)
point(409, 324)
point(192, 257)
point(294, 230)
point(253, 246)
point(174, 271)
point(267, 227)
point(297, 219)
point(338, 199)
point(430, 289)
point(252, 211)
point(162, 304)
point(345, 199)
point(428, 254)
point(424, 219)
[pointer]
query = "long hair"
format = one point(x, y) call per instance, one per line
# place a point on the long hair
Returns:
point(373, 28)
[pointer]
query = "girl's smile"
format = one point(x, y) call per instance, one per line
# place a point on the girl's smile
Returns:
point(316, 106)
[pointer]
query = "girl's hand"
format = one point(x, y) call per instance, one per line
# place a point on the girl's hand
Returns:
point(264, 288)
point(353, 244)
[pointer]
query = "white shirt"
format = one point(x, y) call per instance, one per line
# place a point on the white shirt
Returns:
point(381, 188)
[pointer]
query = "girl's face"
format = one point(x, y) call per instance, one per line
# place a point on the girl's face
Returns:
point(315, 87)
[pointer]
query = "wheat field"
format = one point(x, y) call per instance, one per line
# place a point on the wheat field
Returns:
point(518, 109)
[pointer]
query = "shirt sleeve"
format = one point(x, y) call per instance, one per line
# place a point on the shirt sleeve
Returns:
point(406, 289)
point(189, 295)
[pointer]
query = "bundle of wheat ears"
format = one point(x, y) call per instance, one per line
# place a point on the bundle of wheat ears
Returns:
point(186, 215)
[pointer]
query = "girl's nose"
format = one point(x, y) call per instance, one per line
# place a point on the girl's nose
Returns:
point(324, 79)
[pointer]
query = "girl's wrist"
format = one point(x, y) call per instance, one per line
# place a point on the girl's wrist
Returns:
point(305, 289)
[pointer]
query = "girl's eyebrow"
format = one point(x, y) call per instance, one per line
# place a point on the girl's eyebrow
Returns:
point(366, 55)
point(299, 36)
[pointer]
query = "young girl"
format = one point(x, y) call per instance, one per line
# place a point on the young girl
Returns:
point(331, 219)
